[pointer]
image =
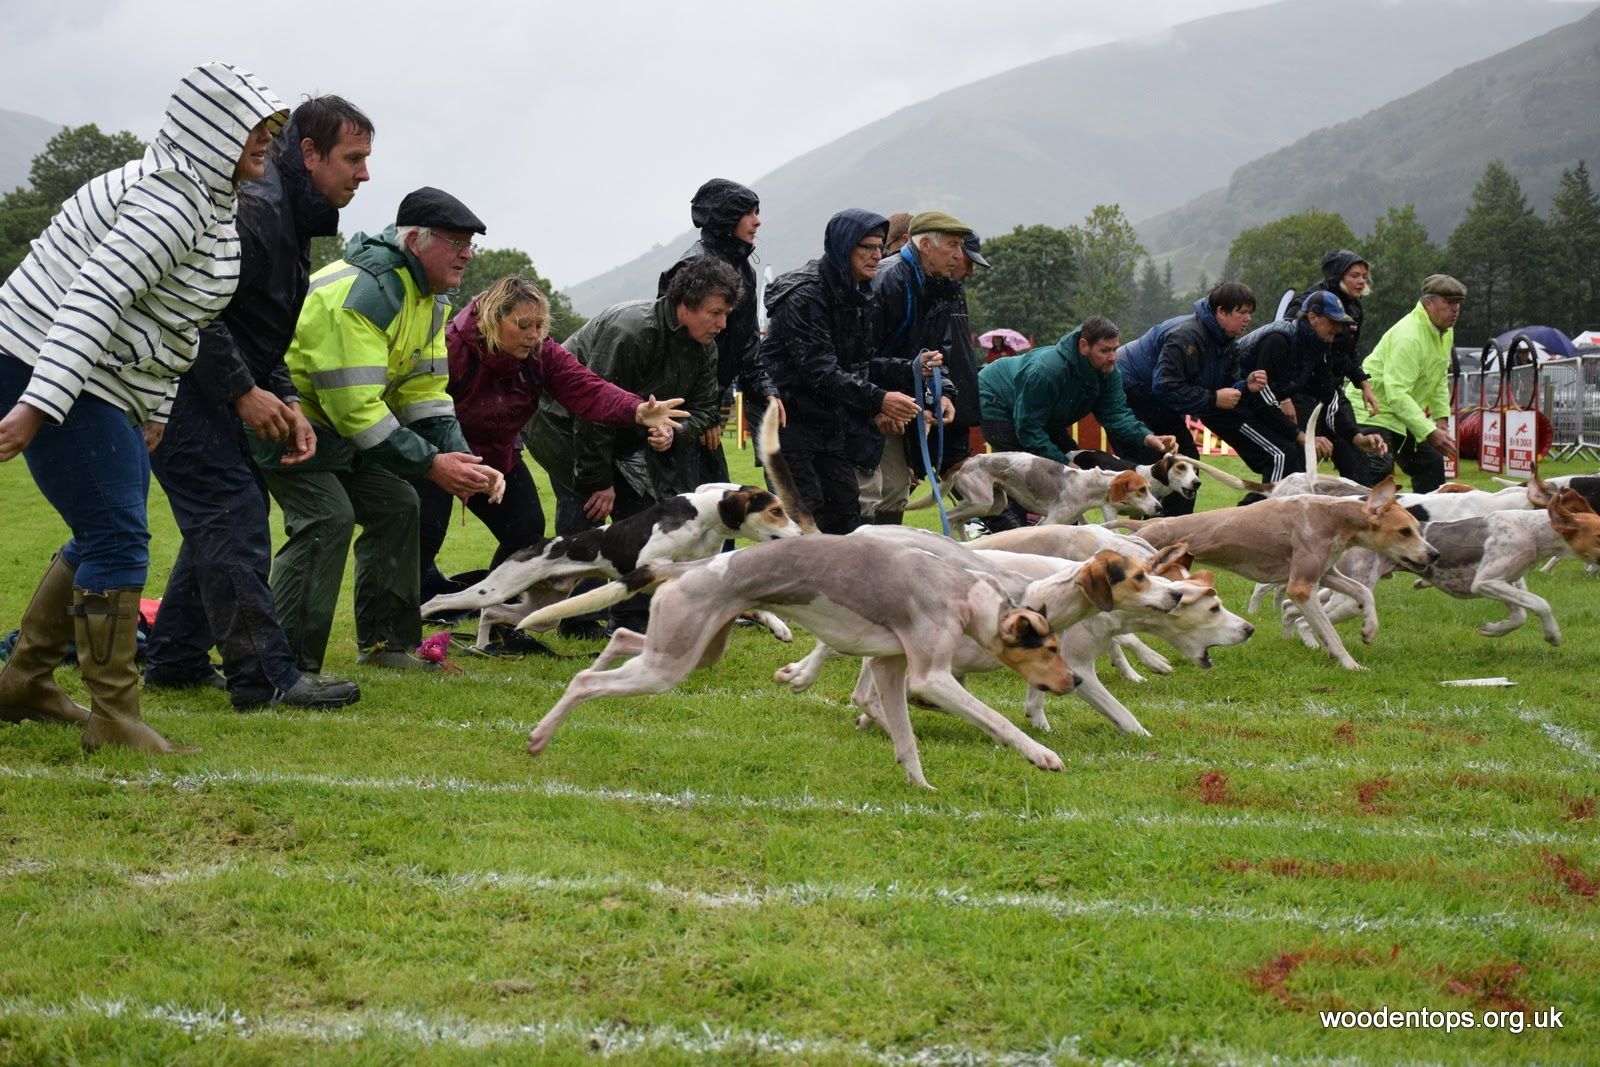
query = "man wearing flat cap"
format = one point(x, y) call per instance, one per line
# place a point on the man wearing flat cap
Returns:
point(1410, 377)
point(901, 326)
point(369, 363)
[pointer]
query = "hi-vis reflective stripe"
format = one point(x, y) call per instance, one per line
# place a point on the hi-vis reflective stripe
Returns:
point(347, 376)
point(439, 368)
point(329, 279)
point(427, 409)
point(375, 434)
point(440, 306)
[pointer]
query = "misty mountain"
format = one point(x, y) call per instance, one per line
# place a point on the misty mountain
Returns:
point(22, 137)
point(1147, 123)
point(1533, 106)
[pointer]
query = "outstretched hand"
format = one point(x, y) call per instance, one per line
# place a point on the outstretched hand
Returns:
point(655, 413)
point(18, 428)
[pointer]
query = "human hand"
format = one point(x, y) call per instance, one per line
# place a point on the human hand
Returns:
point(654, 413)
point(1228, 399)
point(889, 427)
point(301, 444)
point(1367, 398)
point(497, 491)
point(461, 473)
point(1372, 442)
point(1257, 381)
point(264, 413)
point(1324, 448)
point(898, 406)
point(1287, 407)
point(1442, 442)
point(18, 428)
point(661, 438)
point(947, 410)
point(930, 358)
point(1161, 442)
point(712, 438)
point(599, 504)
point(153, 432)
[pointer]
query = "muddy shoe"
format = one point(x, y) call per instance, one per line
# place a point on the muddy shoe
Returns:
point(309, 692)
point(106, 625)
point(28, 688)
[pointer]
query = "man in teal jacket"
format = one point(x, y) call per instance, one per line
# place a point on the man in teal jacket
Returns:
point(1029, 401)
point(1409, 373)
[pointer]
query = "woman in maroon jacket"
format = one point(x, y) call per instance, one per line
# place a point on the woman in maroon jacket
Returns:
point(502, 361)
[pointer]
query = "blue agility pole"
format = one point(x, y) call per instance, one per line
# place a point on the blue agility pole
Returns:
point(929, 392)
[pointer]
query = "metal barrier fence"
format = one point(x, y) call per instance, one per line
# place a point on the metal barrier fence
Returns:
point(1568, 396)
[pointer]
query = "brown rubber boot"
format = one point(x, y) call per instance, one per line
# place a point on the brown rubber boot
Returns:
point(28, 687)
point(107, 631)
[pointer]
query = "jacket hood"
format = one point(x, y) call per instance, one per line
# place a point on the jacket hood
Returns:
point(314, 214)
point(210, 117)
point(719, 204)
point(787, 283)
point(381, 253)
point(1334, 264)
point(1208, 319)
point(844, 231)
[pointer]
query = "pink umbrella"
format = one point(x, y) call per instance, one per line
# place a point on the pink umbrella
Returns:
point(1013, 340)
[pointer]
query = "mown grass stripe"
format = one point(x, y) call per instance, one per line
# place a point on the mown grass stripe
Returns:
point(808, 894)
point(688, 799)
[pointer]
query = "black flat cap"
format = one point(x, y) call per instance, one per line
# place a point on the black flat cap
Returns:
point(437, 209)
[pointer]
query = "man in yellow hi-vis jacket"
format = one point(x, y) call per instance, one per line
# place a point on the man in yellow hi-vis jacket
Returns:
point(369, 361)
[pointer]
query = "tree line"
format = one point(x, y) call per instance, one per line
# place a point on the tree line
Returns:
point(79, 153)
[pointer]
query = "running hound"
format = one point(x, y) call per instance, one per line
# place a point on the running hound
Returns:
point(979, 485)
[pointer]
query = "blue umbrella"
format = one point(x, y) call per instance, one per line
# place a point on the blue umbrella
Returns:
point(1552, 340)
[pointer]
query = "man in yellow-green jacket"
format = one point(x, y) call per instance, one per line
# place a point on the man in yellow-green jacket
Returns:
point(369, 362)
point(1410, 378)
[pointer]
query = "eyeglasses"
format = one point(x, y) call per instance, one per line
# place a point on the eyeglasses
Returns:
point(460, 244)
point(871, 250)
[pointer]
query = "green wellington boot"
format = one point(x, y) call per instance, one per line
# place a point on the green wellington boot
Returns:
point(107, 632)
point(28, 687)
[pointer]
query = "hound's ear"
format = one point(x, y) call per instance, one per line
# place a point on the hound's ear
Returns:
point(1096, 579)
point(1193, 591)
point(1382, 496)
point(1162, 467)
point(1174, 558)
point(1564, 511)
point(1040, 624)
point(1011, 624)
point(734, 508)
point(1539, 494)
point(1204, 578)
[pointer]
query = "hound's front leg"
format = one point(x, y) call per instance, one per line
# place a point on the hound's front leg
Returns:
point(802, 674)
point(1101, 699)
point(941, 687)
point(1340, 582)
point(1518, 598)
point(865, 696)
point(646, 674)
point(624, 643)
point(1304, 593)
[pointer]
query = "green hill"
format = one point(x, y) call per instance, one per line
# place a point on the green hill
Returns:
point(1147, 123)
point(1534, 106)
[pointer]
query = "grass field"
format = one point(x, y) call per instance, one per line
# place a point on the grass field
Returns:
point(731, 872)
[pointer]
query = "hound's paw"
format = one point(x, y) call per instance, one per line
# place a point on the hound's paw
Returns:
point(1367, 634)
point(537, 743)
point(784, 673)
point(1046, 760)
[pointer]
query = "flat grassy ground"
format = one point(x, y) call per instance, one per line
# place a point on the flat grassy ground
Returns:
point(732, 872)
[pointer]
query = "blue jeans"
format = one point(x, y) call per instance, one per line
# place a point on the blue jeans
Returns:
point(93, 469)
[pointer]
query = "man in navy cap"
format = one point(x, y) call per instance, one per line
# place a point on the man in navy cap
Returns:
point(368, 361)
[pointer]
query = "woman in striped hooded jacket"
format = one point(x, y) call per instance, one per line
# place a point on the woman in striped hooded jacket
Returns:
point(96, 324)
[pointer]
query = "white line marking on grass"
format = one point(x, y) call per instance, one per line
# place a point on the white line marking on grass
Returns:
point(688, 799)
point(1565, 736)
point(600, 1036)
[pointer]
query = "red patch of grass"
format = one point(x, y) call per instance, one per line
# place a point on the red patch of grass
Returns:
point(1213, 788)
point(1573, 877)
point(1345, 733)
point(1367, 794)
point(1580, 810)
point(1290, 867)
point(1446, 732)
point(1272, 978)
point(1490, 986)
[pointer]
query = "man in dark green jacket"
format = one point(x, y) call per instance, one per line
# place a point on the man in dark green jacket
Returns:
point(1029, 401)
point(664, 347)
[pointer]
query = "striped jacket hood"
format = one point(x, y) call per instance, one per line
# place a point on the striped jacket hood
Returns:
point(210, 117)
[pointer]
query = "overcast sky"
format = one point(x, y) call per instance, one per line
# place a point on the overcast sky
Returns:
point(577, 130)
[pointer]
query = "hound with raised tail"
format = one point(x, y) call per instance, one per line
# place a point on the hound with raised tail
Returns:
point(684, 527)
point(1173, 473)
point(980, 485)
point(907, 609)
point(1297, 540)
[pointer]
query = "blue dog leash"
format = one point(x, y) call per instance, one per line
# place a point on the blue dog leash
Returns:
point(930, 393)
